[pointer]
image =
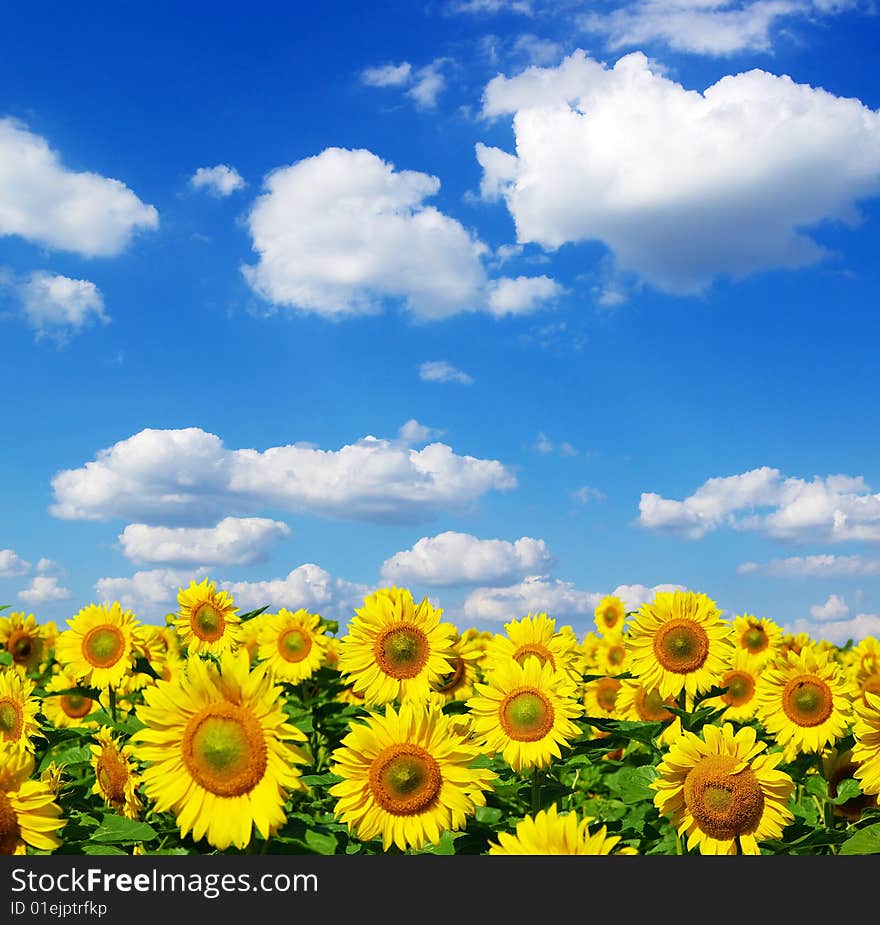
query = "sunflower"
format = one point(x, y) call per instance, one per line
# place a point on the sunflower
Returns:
point(525, 712)
point(610, 614)
point(18, 712)
point(458, 684)
point(219, 751)
point(64, 710)
point(292, 644)
point(249, 638)
point(600, 698)
point(99, 648)
point(396, 649)
point(537, 637)
point(837, 767)
point(589, 652)
point(611, 654)
point(549, 832)
point(738, 703)
point(720, 791)
point(407, 776)
point(804, 700)
point(116, 778)
point(679, 642)
point(794, 642)
point(29, 815)
point(639, 704)
point(207, 619)
point(866, 750)
point(22, 637)
point(759, 637)
point(863, 663)
point(331, 653)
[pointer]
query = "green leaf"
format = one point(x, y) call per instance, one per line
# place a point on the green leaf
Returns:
point(445, 846)
point(5, 657)
point(847, 789)
point(320, 780)
point(490, 815)
point(865, 841)
point(115, 829)
point(321, 842)
point(633, 784)
point(103, 850)
point(817, 786)
point(252, 613)
point(142, 665)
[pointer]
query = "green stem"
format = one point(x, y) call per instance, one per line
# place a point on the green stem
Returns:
point(536, 790)
point(113, 703)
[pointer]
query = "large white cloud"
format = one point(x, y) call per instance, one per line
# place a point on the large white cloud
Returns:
point(187, 477)
point(233, 541)
point(43, 201)
point(11, 564)
point(834, 608)
point(821, 566)
point(682, 186)
point(308, 586)
point(838, 631)
point(57, 306)
point(150, 594)
point(836, 508)
point(451, 558)
point(534, 594)
point(44, 589)
point(339, 233)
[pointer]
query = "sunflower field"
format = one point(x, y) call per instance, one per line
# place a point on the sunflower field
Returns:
point(667, 730)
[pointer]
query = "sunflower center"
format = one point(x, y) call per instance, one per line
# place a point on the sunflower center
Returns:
point(23, 647)
point(224, 749)
point(402, 651)
point(651, 707)
point(103, 645)
point(207, 622)
point(294, 645)
point(451, 681)
point(112, 774)
point(609, 618)
point(526, 715)
point(606, 693)
point(807, 700)
point(723, 805)
point(10, 833)
point(616, 655)
point(755, 639)
point(11, 719)
point(405, 779)
point(542, 653)
point(75, 705)
point(681, 646)
point(740, 688)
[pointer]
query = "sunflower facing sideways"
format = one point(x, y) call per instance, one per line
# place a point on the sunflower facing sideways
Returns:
point(219, 751)
point(610, 614)
point(536, 636)
point(407, 776)
point(292, 644)
point(207, 619)
point(18, 713)
point(804, 700)
point(29, 815)
point(116, 778)
point(458, 684)
point(396, 649)
point(678, 642)
point(550, 832)
point(68, 709)
point(721, 793)
point(738, 703)
point(98, 649)
point(525, 712)
point(22, 637)
point(866, 751)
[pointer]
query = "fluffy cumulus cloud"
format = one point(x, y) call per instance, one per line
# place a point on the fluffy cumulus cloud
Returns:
point(233, 541)
point(308, 586)
point(835, 608)
point(534, 594)
point(150, 594)
point(521, 295)
point(44, 589)
point(339, 233)
point(451, 558)
point(710, 27)
point(187, 477)
point(57, 307)
point(220, 180)
point(422, 85)
point(636, 595)
point(818, 566)
point(12, 564)
point(836, 508)
point(442, 371)
point(838, 631)
point(45, 202)
point(682, 186)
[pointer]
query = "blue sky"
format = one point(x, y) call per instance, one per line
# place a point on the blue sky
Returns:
point(515, 304)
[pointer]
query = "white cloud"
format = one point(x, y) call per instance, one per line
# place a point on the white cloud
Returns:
point(524, 7)
point(57, 307)
point(12, 564)
point(387, 75)
point(234, 541)
point(414, 434)
point(220, 180)
point(836, 508)
point(586, 494)
point(449, 559)
point(187, 477)
point(45, 565)
point(835, 608)
point(428, 83)
point(307, 586)
point(636, 595)
point(535, 594)
point(823, 566)
point(150, 594)
point(683, 187)
point(523, 295)
point(48, 204)
point(441, 371)
point(839, 631)
point(364, 235)
point(44, 589)
point(546, 446)
point(710, 27)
